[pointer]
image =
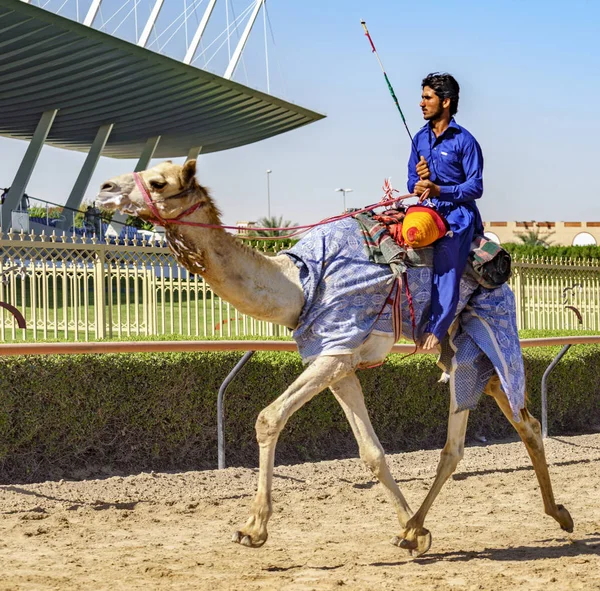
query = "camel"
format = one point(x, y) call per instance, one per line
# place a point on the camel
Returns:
point(269, 288)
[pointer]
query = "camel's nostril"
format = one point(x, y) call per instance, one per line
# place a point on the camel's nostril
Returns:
point(108, 186)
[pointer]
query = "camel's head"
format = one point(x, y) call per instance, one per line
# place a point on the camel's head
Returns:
point(172, 188)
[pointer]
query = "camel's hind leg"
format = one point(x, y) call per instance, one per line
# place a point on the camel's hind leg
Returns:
point(415, 537)
point(349, 394)
point(323, 372)
point(529, 430)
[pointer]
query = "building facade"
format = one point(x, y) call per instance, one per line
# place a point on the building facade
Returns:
point(554, 233)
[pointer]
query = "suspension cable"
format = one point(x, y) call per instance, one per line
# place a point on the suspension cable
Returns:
point(241, 17)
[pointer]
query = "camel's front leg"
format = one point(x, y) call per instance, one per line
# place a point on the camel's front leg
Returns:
point(348, 392)
point(415, 537)
point(529, 430)
point(323, 372)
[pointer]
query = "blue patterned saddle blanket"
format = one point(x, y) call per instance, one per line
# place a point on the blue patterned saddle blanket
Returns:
point(346, 300)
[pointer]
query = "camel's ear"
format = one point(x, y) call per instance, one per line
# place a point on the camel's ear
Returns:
point(188, 172)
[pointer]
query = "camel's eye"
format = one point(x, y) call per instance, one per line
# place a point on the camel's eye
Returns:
point(158, 185)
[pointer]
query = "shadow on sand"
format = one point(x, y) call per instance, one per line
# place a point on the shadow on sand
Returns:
point(568, 549)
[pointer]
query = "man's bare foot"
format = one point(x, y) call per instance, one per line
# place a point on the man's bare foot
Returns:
point(430, 342)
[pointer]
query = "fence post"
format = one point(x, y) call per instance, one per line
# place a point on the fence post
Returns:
point(151, 303)
point(518, 291)
point(100, 292)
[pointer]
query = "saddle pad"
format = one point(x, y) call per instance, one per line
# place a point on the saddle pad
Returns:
point(345, 300)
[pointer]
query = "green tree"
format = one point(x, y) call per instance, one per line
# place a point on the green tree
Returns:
point(39, 211)
point(533, 238)
point(273, 222)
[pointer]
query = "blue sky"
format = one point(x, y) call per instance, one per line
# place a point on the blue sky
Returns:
point(529, 75)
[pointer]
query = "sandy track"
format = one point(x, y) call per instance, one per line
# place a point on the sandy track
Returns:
point(330, 530)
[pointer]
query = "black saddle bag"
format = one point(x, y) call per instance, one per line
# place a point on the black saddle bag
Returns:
point(488, 263)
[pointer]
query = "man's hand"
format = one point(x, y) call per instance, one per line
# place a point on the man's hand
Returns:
point(422, 186)
point(423, 169)
point(430, 342)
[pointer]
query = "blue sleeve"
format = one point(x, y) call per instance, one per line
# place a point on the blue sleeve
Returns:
point(472, 188)
point(413, 177)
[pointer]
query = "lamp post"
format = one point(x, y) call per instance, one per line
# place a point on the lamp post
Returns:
point(344, 191)
point(269, 171)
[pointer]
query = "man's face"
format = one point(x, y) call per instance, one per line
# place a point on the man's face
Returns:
point(430, 104)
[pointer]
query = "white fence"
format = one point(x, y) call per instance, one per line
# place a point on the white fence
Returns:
point(84, 291)
point(543, 288)
point(81, 291)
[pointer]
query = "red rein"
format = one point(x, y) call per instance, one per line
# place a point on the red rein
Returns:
point(159, 220)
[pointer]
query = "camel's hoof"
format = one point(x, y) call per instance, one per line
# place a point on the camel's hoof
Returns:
point(416, 546)
point(397, 541)
point(564, 519)
point(246, 540)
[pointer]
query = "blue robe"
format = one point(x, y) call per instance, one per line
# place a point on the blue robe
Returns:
point(456, 164)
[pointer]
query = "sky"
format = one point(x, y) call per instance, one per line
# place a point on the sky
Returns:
point(529, 72)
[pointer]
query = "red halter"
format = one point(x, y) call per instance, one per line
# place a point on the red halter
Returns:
point(158, 219)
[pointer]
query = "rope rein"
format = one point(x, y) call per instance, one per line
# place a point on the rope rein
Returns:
point(388, 199)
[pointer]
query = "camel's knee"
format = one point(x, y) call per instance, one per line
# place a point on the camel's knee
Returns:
point(492, 388)
point(449, 460)
point(530, 429)
point(268, 425)
point(374, 458)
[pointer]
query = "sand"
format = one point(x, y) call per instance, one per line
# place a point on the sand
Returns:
point(330, 529)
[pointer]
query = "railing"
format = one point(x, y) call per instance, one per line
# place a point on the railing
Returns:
point(539, 285)
point(73, 289)
point(76, 290)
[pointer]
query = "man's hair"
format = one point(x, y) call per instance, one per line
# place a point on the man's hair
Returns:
point(445, 86)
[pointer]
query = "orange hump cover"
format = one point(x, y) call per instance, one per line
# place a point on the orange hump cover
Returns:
point(422, 226)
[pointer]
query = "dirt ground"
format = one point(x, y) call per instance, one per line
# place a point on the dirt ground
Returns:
point(330, 529)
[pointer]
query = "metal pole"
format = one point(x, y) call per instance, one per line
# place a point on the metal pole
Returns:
point(87, 170)
point(343, 191)
point(545, 390)
point(266, 49)
point(194, 153)
point(191, 50)
point(268, 194)
point(555, 361)
point(19, 184)
point(88, 21)
point(242, 42)
point(147, 153)
point(88, 348)
point(150, 23)
point(220, 401)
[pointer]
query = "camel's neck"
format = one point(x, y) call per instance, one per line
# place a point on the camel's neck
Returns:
point(266, 288)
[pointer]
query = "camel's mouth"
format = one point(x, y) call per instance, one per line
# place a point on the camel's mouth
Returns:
point(108, 199)
point(115, 200)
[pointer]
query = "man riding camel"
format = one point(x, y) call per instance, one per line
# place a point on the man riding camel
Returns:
point(446, 160)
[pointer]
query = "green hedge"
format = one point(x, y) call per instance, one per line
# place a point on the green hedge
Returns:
point(85, 416)
point(568, 252)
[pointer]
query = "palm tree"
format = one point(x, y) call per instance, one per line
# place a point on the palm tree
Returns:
point(532, 238)
point(272, 222)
